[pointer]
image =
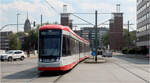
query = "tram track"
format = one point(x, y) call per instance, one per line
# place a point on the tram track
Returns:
point(57, 79)
point(147, 81)
point(131, 64)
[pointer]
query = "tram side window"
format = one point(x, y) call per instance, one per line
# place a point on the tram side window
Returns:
point(77, 47)
point(81, 47)
point(73, 46)
point(66, 51)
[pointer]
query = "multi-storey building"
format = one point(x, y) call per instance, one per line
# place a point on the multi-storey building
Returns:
point(143, 23)
point(88, 33)
point(4, 40)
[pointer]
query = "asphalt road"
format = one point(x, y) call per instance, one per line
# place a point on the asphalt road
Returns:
point(117, 69)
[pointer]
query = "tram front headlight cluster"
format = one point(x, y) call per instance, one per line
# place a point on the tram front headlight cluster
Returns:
point(49, 60)
point(54, 60)
point(57, 59)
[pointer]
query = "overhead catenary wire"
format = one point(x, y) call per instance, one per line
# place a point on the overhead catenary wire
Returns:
point(52, 7)
point(82, 19)
point(103, 23)
point(68, 13)
point(8, 25)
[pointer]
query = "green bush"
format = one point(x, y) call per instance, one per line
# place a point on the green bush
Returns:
point(144, 50)
point(125, 51)
point(132, 51)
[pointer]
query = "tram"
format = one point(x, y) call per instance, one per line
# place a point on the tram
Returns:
point(60, 49)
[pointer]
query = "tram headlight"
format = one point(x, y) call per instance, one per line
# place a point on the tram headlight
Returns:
point(40, 60)
point(52, 60)
point(57, 59)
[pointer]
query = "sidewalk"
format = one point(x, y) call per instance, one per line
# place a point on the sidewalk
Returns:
point(91, 59)
point(32, 56)
point(137, 56)
point(108, 72)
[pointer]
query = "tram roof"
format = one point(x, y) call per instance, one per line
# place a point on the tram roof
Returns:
point(60, 27)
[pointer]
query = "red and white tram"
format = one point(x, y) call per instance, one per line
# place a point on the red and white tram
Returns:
point(60, 48)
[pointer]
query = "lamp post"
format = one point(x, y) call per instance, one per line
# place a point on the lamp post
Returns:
point(17, 20)
point(96, 35)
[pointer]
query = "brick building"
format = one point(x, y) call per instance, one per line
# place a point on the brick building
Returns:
point(116, 32)
point(65, 18)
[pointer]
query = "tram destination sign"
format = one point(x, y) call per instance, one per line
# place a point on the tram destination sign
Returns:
point(50, 32)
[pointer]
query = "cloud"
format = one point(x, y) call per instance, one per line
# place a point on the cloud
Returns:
point(131, 0)
point(34, 8)
point(103, 7)
point(37, 7)
point(19, 5)
point(58, 5)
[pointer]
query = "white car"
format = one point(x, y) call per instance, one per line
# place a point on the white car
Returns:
point(13, 54)
point(107, 53)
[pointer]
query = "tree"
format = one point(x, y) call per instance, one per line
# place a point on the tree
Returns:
point(105, 39)
point(14, 42)
point(129, 39)
point(31, 40)
point(126, 39)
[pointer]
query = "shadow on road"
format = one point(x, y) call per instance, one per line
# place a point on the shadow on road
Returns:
point(135, 60)
point(26, 74)
point(32, 73)
point(52, 73)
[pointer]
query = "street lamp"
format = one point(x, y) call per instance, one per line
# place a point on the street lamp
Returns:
point(17, 21)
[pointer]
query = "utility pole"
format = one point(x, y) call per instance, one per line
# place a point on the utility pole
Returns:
point(128, 34)
point(96, 35)
point(17, 20)
point(41, 19)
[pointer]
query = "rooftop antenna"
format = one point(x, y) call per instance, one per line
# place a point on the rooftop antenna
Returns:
point(117, 8)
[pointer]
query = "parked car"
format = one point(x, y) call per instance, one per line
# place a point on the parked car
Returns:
point(12, 54)
point(107, 53)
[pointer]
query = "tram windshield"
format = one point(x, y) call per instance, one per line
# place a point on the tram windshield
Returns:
point(49, 44)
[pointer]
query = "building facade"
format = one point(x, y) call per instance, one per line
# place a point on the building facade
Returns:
point(4, 39)
point(88, 33)
point(116, 32)
point(143, 23)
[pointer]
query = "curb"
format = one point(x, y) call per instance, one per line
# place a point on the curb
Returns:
point(91, 60)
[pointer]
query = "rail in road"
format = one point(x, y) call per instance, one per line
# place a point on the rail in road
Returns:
point(127, 64)
point(140, 77)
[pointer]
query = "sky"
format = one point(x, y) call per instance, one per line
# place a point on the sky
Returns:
point(34, 8)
